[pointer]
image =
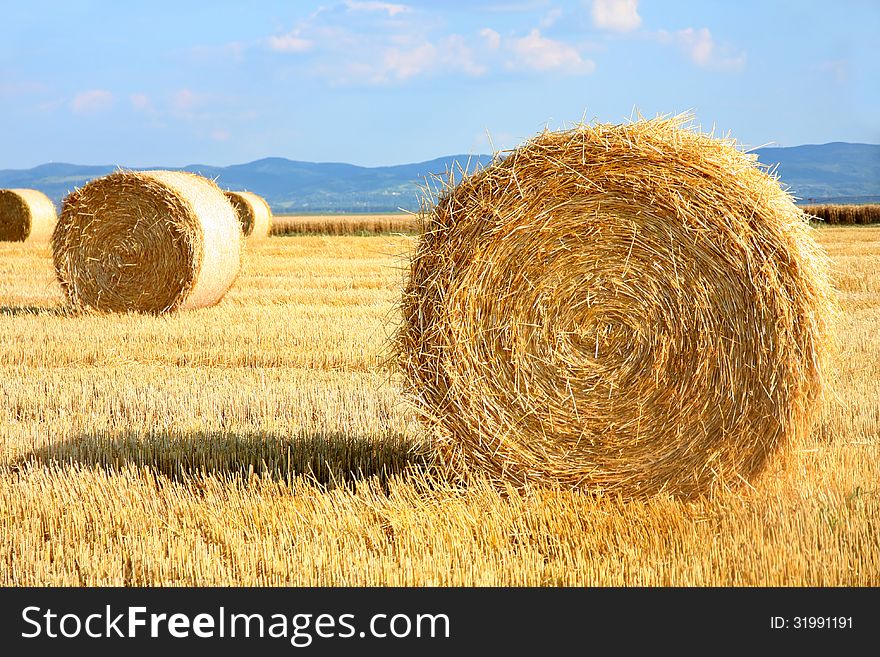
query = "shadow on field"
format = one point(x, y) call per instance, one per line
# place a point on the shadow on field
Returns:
point(18, 311)
point(328, 458)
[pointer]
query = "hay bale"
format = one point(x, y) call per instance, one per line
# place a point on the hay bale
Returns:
point(253, 212)
point(26, 214)
point(633, 308)
point(149, 241)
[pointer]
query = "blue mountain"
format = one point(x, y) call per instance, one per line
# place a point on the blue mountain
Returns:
point(836, 172)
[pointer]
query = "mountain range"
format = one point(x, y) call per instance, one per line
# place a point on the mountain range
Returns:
point(837, 172)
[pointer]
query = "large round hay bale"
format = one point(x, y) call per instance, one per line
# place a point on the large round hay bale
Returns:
point(634, 308)
point(149, 241)
point(26, 214)
point(254, 213)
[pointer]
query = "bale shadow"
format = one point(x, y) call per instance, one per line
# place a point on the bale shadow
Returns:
point(326, 458)
point(20, 311)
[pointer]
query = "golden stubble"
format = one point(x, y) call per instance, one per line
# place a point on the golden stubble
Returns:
point(264, 441)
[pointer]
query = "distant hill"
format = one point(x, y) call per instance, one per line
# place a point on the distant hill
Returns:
point(835, 172)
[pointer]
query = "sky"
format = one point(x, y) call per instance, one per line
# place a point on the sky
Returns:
point(378, 83)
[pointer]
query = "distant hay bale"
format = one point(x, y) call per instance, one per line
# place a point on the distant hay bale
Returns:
point(150, 241)
point(26, 214)
point(631, 308)
point(253, 212)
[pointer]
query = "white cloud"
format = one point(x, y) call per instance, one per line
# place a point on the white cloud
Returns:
point(539, 53)
point(698, 44)
point(493, 39)
point(369, 5)
point(184, 101)
point(701, 49)
point(338, 27)
point(291, 42)
point(449, 54)
point(458, 55)
point(92, 101)
point(405, 64)
point(220, 134)
point(616, 15)
point(357, 43)
point(550, 18)
point(140, 101)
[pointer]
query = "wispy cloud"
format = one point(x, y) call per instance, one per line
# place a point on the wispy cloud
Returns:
point(491, 37)
point(538, 53)
point(290, 42)
point(327, 28)
point(361, 42)
point(212, 108)
point(405, 64)
point(701, 49)
point(92, 101)
point(140, 101)
point(550, 18)
point(401, 63)
point(616, 15)
point(387, 7)
point(184, 101)
point(380, 43)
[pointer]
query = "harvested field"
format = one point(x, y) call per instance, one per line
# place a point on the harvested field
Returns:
point(263, 441)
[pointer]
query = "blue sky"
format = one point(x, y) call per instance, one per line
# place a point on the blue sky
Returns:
point(371, 83)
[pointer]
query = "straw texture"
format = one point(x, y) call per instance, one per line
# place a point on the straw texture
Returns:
point(150, 241)
point(253, 212)
point(633, 308)
point(26, 214)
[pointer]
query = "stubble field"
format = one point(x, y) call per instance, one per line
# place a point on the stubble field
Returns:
point(264, 442)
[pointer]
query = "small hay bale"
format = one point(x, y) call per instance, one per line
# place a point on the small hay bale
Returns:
point(633, 308)
point(26, 215)
point(253, 212)
point(150, 241)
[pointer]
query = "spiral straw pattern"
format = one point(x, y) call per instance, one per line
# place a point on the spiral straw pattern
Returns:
point(26, 215)
point(253, 212)
point(150, 241)
point(635, 308)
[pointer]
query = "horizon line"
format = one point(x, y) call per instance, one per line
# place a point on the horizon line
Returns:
point(361, 166)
